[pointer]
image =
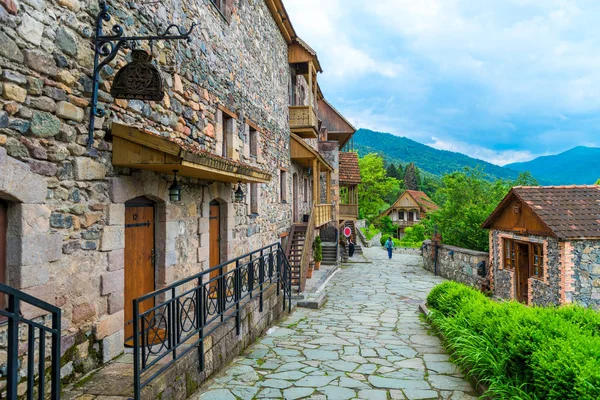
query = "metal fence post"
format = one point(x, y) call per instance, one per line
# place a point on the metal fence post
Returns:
point(56, 342)
point(237, 289)
point(136, 351)
point(13, 347)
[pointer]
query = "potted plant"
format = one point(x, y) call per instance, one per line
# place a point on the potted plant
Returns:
point(317, 252)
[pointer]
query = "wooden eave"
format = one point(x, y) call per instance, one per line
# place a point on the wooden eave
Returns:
point(303, 154)
point(135, 148)
point(338, 127)
point(282, 19)
point(488, 223)
point(299, 53)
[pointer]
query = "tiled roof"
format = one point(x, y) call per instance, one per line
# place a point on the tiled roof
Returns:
point(423, 200)
point(571, 212)
point(349, 171)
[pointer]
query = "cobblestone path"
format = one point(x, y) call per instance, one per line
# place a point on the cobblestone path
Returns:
point(367, 342)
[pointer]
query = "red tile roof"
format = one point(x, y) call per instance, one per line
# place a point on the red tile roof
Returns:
point(423, 200)
point(571, 212)
point(349, 171)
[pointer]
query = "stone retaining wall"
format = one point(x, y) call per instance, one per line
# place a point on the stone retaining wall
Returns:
point(183, 379)
point(455, 263)
point(407, 251)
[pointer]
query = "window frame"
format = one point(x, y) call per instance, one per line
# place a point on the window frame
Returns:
point(509, 255)
point(283, 186)
point(305, 190)
point(221, 6)
point(537, 250)
point(253, 141)
point(253, 189)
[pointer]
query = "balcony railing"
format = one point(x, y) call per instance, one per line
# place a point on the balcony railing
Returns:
point(323, 214)
point(348, 211)
point(405, 223)
point(304, 121)
point(188, 311)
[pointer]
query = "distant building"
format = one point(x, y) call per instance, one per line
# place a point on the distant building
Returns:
point(545, 245)
point(411, 207)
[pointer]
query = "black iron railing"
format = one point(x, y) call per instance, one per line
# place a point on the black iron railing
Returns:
point(37, 336)
point(170, 322)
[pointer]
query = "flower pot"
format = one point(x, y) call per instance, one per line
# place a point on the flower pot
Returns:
point(309, 273)
point(317, 265)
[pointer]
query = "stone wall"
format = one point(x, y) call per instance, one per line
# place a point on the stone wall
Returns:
point(66, 207)
point(220, 348)
point(585, 274)
point(455, 263)
point(542, 292)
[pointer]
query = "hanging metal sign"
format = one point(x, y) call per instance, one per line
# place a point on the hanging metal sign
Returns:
point(138, 80)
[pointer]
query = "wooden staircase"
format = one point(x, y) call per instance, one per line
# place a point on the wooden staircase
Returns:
point(294, 250)
point(357, 247)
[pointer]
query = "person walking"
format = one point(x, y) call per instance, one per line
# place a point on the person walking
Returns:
point(350, 247)
point(389, 245)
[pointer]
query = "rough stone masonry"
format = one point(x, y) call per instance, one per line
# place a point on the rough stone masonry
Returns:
point(66, 209)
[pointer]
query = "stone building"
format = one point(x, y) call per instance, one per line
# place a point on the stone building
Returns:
point(411, 207)
point(545, 246)
point(240, 98)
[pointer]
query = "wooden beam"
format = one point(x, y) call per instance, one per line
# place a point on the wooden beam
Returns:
point(316, 183)
point(135, 135)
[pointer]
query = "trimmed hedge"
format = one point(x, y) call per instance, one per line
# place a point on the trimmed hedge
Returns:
point(384, 239)
point(520, 352)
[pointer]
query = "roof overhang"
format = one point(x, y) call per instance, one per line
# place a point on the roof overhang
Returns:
point(136, 148)
point(338, 127)
point(282, 19)
point(305, 155)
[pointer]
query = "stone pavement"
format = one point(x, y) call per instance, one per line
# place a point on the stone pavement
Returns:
point(367, 342)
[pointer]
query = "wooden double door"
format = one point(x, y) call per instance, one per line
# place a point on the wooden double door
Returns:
point(139, 256)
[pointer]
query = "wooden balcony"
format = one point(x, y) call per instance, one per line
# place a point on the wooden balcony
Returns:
point(304, 121)
point(348, 212)
point(404, 223)
point(323, 214)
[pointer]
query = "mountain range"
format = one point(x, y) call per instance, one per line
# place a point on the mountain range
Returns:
point(580, 165)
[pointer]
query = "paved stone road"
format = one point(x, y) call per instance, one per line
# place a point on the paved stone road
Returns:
point(367, 342)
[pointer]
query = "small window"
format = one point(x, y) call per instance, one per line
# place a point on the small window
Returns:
point(282, 186)
point(401, 215)
point(228, 123)
point(221, 5)
point(509, 254)
point(538, 260)
point(253, 142)
point(305, 190)
point(253, 198)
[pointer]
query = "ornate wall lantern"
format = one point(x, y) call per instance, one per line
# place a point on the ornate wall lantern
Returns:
point(138, 80)
point(175, 189)
point(239, 193)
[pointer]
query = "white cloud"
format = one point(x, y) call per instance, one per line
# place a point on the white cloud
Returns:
point(501, 157)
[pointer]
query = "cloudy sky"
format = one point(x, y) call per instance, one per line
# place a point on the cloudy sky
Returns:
point(501, 80)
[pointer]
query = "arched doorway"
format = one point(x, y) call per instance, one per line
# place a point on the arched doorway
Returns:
point(295, 196)
point(139, 256)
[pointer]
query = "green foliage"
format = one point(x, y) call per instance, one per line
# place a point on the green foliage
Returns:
point(597, 182)
point(413, 236)
point(397, 149)
point(318, 249)
point(411, 177)
point(520, 352)
point(375, 186)
point(526, 179)
point(386, 226)
point(384, 239)
point(392, 172)
point(370, 231)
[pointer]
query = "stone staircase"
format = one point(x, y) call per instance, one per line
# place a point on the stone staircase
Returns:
point(329, 253)
point(357, 247)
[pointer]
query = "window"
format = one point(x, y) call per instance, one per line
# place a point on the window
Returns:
point(228, 126)
point(253, 195)
point(282, 186)
point(253, 142)
point(538, 260)
point(509, 254)
point(305, 191)
point(221, 5)
point(401, 215)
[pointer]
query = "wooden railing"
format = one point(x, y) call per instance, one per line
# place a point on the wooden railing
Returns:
point(303, 117)
point(323, 214)
point(348, 211)
point(307, 250)
point(405, 223)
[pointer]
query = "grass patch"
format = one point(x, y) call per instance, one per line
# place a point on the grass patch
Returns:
point(520, 352)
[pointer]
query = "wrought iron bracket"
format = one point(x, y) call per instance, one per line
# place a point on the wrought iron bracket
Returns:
point(106, 48)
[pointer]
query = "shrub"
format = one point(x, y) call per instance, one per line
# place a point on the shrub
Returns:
point(370, 232)
point(518, 351)
point(384, 239)
point(317, 249)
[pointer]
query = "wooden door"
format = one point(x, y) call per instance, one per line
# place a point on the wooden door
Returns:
point(295, 194)
point(214, 234)
point(3, 229)
point(139, 257)
point(411, 216)
point(522, 272)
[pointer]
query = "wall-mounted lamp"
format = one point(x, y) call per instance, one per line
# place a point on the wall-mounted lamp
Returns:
point(175, 189)
point(239, 193)
point(309, 171)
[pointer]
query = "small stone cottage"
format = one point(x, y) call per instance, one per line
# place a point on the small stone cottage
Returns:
point(545, 245)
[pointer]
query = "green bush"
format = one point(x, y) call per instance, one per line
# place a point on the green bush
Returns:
point(384, 239)
point(317, 249)
point(518, 351)
point(370, 232)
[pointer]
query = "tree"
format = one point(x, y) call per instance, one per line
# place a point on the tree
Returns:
point(386, 226)
point(375, 186)
point(410, 177)
point(392, 172)
point(526, 179)
point(467, 199)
